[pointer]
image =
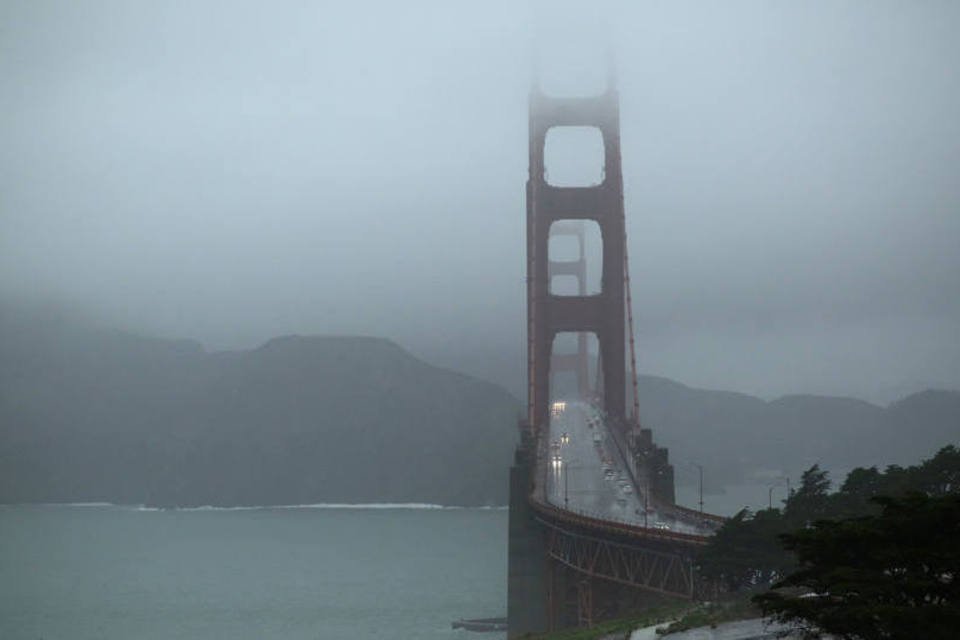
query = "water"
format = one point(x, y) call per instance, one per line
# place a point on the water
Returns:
point(110, 573)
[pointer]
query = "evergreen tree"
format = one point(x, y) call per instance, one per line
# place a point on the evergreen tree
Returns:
point(892, 575)
point(745, 552)
point(811, 501)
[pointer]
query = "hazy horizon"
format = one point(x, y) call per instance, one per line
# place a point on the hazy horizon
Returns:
point(790, 174)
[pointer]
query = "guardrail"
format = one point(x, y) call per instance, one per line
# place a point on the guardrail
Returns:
point(604, 522)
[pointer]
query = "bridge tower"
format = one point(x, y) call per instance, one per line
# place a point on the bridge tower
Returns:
point(554, 207)
point(568, 567)
point(534, 581)
point(578, 362)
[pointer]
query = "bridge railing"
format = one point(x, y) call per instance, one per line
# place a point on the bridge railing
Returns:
point(629, 461)
point(623, 447)
point(539, 497)
point(606, 522)
point(709, 520)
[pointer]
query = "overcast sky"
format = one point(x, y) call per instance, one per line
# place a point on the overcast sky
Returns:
point(233, 171)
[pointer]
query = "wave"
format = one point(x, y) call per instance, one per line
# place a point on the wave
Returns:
point(76, 504)
point(366, 505)
point(383, 505)
point(427, 506)
point(207, 507)
point(319, 505)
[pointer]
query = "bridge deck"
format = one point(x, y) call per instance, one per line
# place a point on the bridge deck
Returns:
point(582, 477)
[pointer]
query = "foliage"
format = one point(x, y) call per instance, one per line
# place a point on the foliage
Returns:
point(811, 501)
point(747, 554)
point(891, 575)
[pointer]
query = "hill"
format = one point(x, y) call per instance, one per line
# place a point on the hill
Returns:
point(88, 414)
point(735, 436)
point(93, 414)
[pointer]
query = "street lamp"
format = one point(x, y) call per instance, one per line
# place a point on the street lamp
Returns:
point(646, 503)
point(565, 470)
point(770, 489)
point(700, 472)
point(700, 468)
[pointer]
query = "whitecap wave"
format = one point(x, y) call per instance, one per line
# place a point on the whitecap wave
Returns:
point(427, 506)
point(319, 505)
point(366, 505)
point(99, 505)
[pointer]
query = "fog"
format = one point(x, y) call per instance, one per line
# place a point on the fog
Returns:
point(230, 172)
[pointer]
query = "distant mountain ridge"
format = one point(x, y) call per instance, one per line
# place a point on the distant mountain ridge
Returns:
point(735, 435)
point(93, 415)
point(90, 414)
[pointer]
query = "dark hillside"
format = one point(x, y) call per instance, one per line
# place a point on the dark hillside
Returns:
point(912, 421)
point(94, 415)
point(735, 435)
point(88, 414)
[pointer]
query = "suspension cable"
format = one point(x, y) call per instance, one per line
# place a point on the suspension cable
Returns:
point(633, 351)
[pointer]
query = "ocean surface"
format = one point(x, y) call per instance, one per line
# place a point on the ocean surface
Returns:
point(101, 572)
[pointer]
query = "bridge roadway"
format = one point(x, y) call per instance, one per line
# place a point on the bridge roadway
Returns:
point(585, 473)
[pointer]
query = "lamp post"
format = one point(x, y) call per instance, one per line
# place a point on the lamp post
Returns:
point(646, 504)
point(565, 468)
point(700, 468)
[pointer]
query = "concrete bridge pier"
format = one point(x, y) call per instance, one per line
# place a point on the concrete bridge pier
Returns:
point(528, 582)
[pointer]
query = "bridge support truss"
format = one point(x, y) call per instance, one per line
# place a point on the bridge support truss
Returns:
point(588, 578)
point(632, 565)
